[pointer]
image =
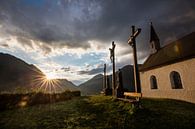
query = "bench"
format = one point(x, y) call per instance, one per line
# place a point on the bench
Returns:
point(133, 94)
point(133, 98)
point(102, 92)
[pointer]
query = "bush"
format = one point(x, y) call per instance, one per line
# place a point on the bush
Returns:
point(10, 101)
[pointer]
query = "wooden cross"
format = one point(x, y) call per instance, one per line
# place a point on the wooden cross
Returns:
point(105, 79)
point(132, 43)
point(112, 58)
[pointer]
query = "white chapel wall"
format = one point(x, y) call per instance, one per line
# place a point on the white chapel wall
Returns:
point(186, 70)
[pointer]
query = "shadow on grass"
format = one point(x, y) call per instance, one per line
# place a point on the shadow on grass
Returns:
point(96, 112)
point(163, 114)
point(100, 112)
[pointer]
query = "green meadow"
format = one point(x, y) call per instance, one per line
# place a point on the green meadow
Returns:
point(101, 112)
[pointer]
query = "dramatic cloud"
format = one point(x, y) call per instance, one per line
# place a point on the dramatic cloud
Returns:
point(81, 31)
point(74, 23)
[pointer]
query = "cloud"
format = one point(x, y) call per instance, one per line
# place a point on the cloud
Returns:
point(81, 32)
point(25, 41)
point(4, 45)
point(92, 71)
point(74, 23)
point(65, 69)
point(50, 23)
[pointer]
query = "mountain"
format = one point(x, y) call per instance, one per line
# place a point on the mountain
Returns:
point(17, 75)
point(128, 77)
point(95, 84)
point(67, 85)
point(92, 86)
point(54, 85)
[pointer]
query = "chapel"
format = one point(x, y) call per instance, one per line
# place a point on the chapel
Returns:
point(169, 71)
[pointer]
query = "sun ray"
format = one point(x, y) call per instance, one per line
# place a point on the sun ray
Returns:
point(53, 85)
point(58, 84)
point(47, 83)
point(43, 84)
point(46, 86)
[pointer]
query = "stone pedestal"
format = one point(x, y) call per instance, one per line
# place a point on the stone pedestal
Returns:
point(119, 89)
point(108, 91)
point(119, 92)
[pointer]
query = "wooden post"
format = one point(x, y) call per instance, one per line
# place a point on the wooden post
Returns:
point(112, 58)
point(119, 88)
point(105, 79)
point(132, 43)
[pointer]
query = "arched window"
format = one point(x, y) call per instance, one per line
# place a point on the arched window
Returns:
point(153, 82)
point(175, 80)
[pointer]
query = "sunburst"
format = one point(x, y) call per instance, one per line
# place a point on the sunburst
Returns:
point(47, 83)
point(50, 76)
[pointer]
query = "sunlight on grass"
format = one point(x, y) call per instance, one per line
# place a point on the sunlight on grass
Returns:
point(22, 103)
point(102, 112)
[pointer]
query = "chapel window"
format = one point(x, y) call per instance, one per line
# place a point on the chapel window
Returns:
point(175, 80)
point(153, 82)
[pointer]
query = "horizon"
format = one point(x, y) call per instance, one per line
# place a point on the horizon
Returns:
point(71, 39)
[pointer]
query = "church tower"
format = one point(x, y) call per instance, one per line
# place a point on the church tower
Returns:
point(154, 40)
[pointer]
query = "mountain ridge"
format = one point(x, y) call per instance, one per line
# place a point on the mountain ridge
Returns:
point(95, 85)
point(17, 74)
point(92, 86)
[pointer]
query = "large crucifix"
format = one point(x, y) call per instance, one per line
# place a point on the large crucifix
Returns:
point(132, 43)
point(112, 58)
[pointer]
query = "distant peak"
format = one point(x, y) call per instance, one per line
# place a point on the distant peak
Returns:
point(98, 75)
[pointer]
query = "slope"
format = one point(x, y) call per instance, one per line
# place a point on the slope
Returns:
point(95, 84)
point(17, 75)
point(92, 86)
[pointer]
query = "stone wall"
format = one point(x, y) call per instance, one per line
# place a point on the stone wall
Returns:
point(186, 70)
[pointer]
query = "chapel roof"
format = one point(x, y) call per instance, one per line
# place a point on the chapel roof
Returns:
point(176, 51)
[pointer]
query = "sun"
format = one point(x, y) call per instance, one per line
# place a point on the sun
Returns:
point(50, 76)
point(47, 83)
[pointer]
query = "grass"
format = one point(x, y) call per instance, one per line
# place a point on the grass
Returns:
point(102, 113)
point(11, 101)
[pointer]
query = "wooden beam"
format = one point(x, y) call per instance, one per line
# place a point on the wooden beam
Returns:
point(133, 94)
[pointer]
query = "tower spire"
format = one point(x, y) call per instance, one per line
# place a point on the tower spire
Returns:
point(154, 39)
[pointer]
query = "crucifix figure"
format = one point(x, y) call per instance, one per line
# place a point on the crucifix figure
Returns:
point(112, 52)
point(132, 43)
point(112, 58)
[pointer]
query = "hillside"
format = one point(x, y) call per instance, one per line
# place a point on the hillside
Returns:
point(128, 77)
point(67, 85)
point(95, 84)
point(101, 112)
point(92, 86)
point(17, 75)
point(54, 85)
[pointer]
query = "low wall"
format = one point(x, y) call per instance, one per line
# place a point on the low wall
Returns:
point(10, 101)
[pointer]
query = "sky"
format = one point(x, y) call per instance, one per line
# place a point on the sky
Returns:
point(71, 38)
